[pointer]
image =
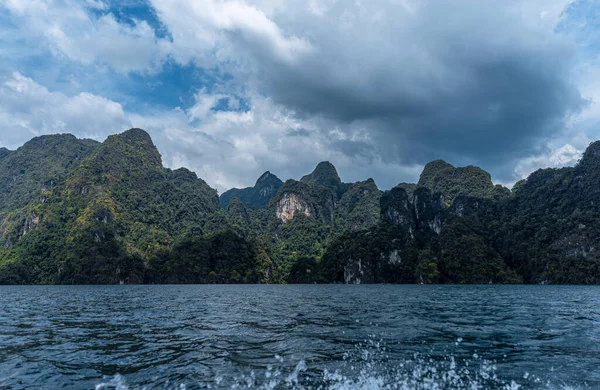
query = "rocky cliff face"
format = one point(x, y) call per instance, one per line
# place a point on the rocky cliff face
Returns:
point(289, 205)
point(429, 210)
point(314, 201)
point(396, 208)
point(76, 211)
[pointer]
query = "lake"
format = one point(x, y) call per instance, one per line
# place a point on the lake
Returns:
point(326, 336)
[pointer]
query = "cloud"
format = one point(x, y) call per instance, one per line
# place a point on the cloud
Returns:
point(567, 155)
point(378, 87)
point(299, 132)
point(210, 32)
point(231, 148)
point(70, 29)
point(467, 80)
point(227, 148)
point(579, 22)
point(28, 109)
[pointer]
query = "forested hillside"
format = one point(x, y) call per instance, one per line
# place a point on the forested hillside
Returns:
point(78, 211)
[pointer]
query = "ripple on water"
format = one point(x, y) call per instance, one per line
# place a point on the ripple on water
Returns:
point(280, 337)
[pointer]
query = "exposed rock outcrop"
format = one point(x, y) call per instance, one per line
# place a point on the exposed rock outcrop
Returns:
point(429, 210)
point(396, 207)
point(289, 205)
point(31, 222)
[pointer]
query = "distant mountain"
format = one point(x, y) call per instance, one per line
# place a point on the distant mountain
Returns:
point(260, 195)
point(327, 176)
point(456, 227)
point(79, 211)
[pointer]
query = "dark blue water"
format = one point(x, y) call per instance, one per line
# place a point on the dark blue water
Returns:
point(187, 337)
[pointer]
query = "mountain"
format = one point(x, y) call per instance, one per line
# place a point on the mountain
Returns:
point(96, 213)
point(439, 176)
point(38, 166)
point(327, 176)
point(550, 231)
point(459, 228)
point(4, 152)
point(306, 215)
point(359, 207)
point(258, 196)
point(78, 211)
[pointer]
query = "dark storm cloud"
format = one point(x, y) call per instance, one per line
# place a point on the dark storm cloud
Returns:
point(479, 80)
point(354, 149)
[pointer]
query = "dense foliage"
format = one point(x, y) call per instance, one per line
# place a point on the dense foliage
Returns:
point(439, 176)
point(258, 196)
point(77, 211)
point(358, 208)
point(38, 166)
point(326, 175)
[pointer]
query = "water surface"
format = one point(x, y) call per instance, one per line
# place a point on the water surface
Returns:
point(413, 337)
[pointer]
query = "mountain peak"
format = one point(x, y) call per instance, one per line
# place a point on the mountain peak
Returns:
point(325, 164)
point(324, 174)
point(591, 156)
point(440, 176)
point(436, 166)
point(326, 167)
point(267, 178)
point(4, 152)
point(136, 135)
point(135, 146)
point(264, 175)
point(49, 140)
point(258, 196)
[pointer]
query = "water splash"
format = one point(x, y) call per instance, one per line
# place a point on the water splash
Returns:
point(116, 383)
point(369, 365)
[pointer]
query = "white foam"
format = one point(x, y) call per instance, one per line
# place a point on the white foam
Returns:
point(368, 366)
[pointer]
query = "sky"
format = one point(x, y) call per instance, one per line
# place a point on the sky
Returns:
point(231, 89)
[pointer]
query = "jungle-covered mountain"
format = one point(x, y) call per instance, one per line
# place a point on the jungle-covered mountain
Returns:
point(79, 212)
point(263, 191)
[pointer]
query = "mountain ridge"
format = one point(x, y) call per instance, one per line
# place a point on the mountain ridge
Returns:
point(80, 211)
point(259, 195)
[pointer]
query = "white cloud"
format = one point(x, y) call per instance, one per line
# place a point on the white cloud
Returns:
point(70, 30)
point(419, 76)
point(210, 32)
point(378, 87)
point(233, 148)
point(566, 155)
point(29, 109)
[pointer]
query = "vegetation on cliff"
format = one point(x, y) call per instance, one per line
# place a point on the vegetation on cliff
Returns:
point(439, 176)
point(260, 195)
point(79, 211)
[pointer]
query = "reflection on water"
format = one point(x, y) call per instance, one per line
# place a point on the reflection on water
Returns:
point(413, 337)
